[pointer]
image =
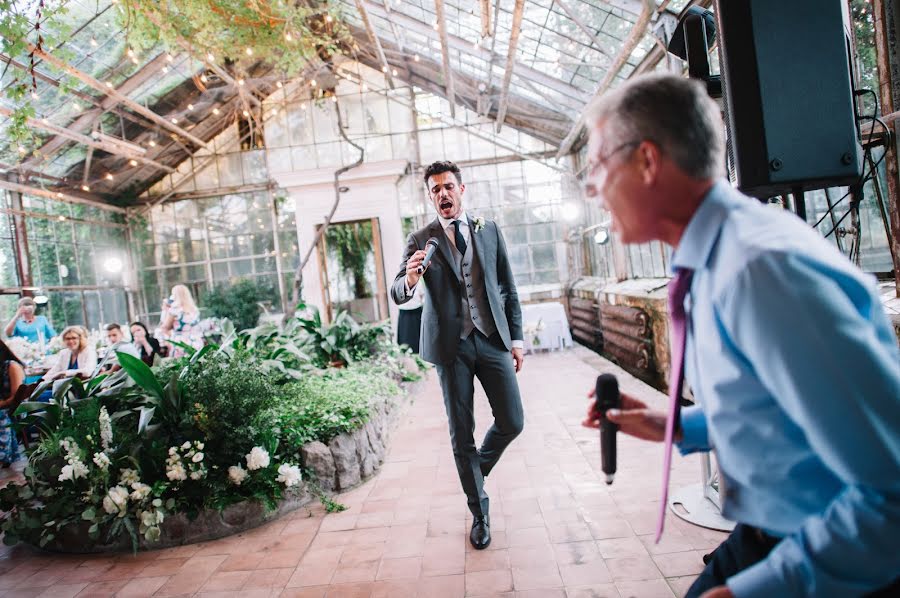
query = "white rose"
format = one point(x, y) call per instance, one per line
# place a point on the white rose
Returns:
point(197, 475)
point(141, 491)
point(289, 475)
point(185, 446)
point(199, 445)
point(173, 451)
point(258, 458)
point(128, 476)
point(176, 473)
point(237, 474)
point(197, 458)
point(116, 500)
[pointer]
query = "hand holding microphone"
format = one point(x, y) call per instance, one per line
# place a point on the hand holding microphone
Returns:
point(418, 262)
point(607, 395)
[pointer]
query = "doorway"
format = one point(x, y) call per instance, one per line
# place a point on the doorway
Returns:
point(352, 271)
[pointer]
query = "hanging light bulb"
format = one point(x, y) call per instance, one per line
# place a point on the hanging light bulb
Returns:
point(210, 57)
point(170, 58)
point(288, 36)
point(240, 81)
point(249, 51)
point(328, 18)
point(133, 162)
point(365, 87)
point(394, 72)
point(61, 218)
point(174, 121)
point(22, 149)
point(58, 194)
point(85, 188)
point(109, 84)
point(94, 42)
point(416, 58)
point(152, 143)
point(312, 83)
point(279, 84)
point(109, 176)
point(384, 69)
point(215, 111)
point(76, 106)
point(135, 60)
point(303, 105)
point(203, 79)
point(334, 99)
point(246, 113)
point(190, 106)
point(165, 69)
point(130, 53)
point(35, 96)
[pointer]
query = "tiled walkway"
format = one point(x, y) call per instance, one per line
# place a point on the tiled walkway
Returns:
point(558, 531)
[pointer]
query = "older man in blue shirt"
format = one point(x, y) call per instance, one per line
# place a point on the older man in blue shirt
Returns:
point(794, 365)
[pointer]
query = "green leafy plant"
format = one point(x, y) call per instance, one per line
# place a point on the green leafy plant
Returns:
point(239, 302)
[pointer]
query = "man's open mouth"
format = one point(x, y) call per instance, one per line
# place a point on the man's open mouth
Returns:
point(446, 204)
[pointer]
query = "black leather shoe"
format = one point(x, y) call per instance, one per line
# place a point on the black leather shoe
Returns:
point(480, 536)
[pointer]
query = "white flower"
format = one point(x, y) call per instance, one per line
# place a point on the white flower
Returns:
point(141, 491)
point(198, 474)
point(173, 451)
point(289, 475)
point(101, 461)
point(198, 445)
point(106, 433)
point(116, 500)
point(128, 477)
point(186, 445)
point(197, 458)
point(237, 474)
point(258, 458)
point(478, 223)
point(176, 472)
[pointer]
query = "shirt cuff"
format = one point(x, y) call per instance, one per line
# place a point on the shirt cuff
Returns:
point(409, 291)
point(694, 432)
point(518, 344)
point(758, 580)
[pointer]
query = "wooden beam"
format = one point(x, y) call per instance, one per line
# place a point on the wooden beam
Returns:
point(58, 196)
point(445, 56)
point(114, 93)
point(486, 29)
point(88, 141)
point(621, 59)
point(510, 62)
point(87, 118)
point(386, 68)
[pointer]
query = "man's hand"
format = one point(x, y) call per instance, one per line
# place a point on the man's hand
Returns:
point(519, 357)
point(634, 418)
point(718, 592)
point(412, 267)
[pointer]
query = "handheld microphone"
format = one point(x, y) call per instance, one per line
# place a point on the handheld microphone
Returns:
point(430, 246)
point(607, 397)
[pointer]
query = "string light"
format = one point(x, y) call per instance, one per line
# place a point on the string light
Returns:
point(133, 162)
point(203, 78)
point(76, 106)
point(279, 84)
point(249, 51)
point(130, 53)
point(416, 58)
point(135, 60)
point(215, 110)
point(35, 96)
point(170, 58)
point(109, 176)
point(22, 149)
point(246, 113)
point(190, 106)
point(288, 36)
point(152, 143)
point(435, 26)
point(328, 18)
point(303, 105)
point(384, 69)
point(58, 194)
point(109, 84)
point(174, 121)
point(85, 188)
point(240, 81)
point(394, 72)
point(334, 99)
point(210, 57)
point(312, 83)
point(165, 69)
point(61, 218)
point(365, 87)
point(94, 42)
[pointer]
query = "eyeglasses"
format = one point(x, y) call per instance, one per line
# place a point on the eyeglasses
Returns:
point(594, 165)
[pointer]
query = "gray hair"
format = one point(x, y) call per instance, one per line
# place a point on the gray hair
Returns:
point(673, 112)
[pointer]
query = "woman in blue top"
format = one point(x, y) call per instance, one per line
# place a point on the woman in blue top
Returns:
point(26, 324)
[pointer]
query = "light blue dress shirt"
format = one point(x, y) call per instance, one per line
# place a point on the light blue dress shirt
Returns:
point(796, 371)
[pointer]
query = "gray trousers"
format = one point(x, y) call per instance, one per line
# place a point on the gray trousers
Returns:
point(492, 363)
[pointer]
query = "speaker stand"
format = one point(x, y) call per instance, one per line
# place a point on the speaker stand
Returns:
point(699, 503)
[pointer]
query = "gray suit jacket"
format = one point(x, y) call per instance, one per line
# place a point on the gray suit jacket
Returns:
point(442, 313)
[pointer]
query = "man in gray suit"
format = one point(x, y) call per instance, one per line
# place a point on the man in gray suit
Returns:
point(471, 326)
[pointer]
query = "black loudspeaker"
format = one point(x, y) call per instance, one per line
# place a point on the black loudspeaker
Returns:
point(787, 78)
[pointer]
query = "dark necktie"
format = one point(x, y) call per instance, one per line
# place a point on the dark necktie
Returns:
point(459, 239)
point(678, 289)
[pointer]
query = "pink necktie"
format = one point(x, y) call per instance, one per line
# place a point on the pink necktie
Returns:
point(678, 289)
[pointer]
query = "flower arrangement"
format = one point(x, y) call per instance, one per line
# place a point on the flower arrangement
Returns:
point(478, 224)
point(25, 350)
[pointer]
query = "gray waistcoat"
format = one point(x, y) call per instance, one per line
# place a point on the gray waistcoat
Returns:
point(476, 311)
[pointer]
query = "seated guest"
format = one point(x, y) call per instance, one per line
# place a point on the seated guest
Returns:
point(180, 320)
point(12, 374)
point(147, 345)
point(77, 359)
point(117, 344)
point(25, 324)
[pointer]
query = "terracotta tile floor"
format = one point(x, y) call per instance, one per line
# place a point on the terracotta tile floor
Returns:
point(558, 531)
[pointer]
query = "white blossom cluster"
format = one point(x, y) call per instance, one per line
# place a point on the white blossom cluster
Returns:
point(258, 458)
point(186, 462)
point(106, 433)
point(74, 467)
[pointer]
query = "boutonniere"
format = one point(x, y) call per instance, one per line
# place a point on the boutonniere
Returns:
point(478, 223)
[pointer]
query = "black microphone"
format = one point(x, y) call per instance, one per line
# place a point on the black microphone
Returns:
point(607, 397)
point(430, 246)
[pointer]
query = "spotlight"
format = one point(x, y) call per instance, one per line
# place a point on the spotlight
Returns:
point(601, 237)
point(113, 265)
